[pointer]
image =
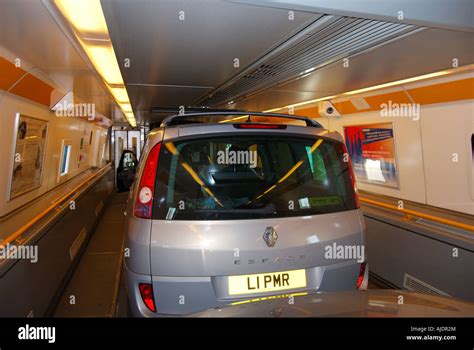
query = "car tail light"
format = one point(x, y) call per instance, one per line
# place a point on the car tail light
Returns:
point(146, 291)
point(353, 179)
point(361, 275)
point(144, 201)
point(259, 126)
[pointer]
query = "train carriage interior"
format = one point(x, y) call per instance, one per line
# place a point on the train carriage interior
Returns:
point(240, 158)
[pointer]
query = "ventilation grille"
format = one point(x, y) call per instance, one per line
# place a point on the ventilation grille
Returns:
point(416, 285)
point(325, 41)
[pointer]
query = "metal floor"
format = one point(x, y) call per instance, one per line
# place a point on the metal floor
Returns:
point(96, 288)
point(93, 290)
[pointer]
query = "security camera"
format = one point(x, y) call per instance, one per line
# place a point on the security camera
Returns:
point(327, 109)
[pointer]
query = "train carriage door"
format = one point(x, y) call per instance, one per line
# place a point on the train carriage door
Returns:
point(126, 140)
point(134, 142)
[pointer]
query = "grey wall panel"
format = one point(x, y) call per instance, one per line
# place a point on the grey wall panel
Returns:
point(394, 251)
point(29, 288)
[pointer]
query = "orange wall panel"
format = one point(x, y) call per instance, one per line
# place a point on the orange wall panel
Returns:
point(345, 107)
point(444, 92)
point(28, 87)
point(33, 89)
point(9, 74)
point(311, 112)
point(396, 97)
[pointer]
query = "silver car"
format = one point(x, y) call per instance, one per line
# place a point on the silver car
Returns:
point(231, 206)
point(367, 303)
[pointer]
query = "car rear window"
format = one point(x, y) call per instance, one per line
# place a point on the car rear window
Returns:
point(251, 177)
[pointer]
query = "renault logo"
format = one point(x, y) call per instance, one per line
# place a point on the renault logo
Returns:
point(270, 236)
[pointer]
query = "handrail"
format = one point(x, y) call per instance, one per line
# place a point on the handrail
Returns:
point(55, 204)
point(418, 214)
point(38, 217)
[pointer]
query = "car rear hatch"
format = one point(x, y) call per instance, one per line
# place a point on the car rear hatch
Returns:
point(244, 202)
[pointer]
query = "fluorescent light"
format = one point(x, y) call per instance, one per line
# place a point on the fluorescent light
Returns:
point(104, 60)
point(131, 120)
point(398, 82)
point(126, 107)
point(90, 28)
point(308, 70)
point(86, 16)
point(303, 76)
point(120, 94)
point(130, 116)
point(300, 103)
point(376, 87)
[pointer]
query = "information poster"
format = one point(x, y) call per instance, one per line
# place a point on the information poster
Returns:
point(372, 152)
point(29, 155)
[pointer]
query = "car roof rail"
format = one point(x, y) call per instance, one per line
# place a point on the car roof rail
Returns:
point(180, 119)
point(180, 109)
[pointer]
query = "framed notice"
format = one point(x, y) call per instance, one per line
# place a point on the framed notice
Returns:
point(372, 152)
point(28, 158)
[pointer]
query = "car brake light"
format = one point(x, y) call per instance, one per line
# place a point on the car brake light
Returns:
point(144, 201)
point(146, 291)
point(353, 179)
point(259, 126)
point(361, 275)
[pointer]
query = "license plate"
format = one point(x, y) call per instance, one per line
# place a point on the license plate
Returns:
point(267, 282)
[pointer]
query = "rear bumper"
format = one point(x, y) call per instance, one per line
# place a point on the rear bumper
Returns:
point(178, 296)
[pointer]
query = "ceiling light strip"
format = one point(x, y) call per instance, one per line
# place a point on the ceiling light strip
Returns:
point(376, 87)
point(88, 22)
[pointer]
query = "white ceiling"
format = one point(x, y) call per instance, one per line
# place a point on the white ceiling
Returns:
point(28, 32)
point(176, 63)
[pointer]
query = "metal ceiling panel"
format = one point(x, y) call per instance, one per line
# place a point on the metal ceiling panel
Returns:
point(423, 52)
point(196, 53)
point(443, 14)
point(332, 39)
point(277, 98)
point(183, 62)
point(144, 97)
point(199, 50)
